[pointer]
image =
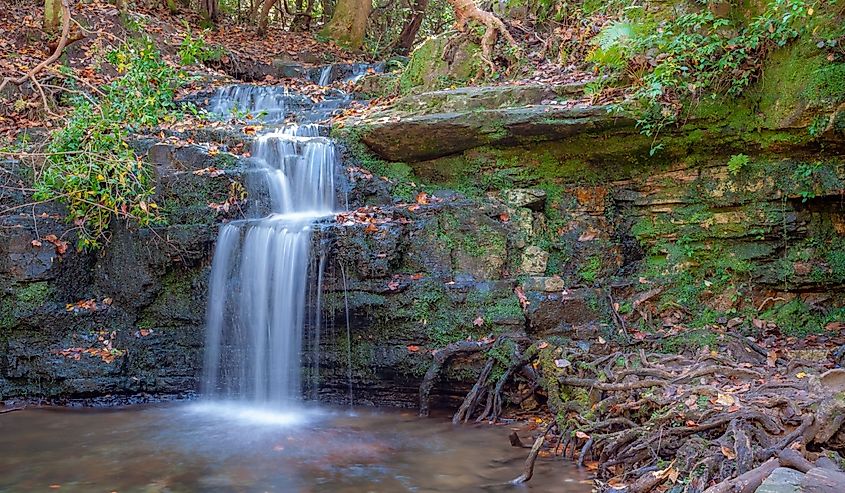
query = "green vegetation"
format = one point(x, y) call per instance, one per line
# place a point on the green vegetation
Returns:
point(195, 50)
point(91, 168)
point(737, 162)
point(796, 318)
point(673, 61)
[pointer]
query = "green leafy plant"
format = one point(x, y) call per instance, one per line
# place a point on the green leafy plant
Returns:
point(691, 55)
point(195, 50)
point(737, 162)
point(91, 167)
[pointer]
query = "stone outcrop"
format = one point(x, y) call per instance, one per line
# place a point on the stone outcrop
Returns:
point(124, 321)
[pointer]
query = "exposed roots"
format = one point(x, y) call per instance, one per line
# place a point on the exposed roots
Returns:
point(465, 11)
point(644, 420)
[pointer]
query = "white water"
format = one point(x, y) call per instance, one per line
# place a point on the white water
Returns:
point(269, 104)
point(259, 278)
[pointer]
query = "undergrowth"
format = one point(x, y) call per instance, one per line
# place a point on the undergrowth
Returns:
point(673, 61)
point(91, 168)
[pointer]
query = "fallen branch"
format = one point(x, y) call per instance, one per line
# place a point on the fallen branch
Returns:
point(528, 468)
point(441, 356)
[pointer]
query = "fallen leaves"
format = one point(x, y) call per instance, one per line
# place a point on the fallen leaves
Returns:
point(523, 300)
point(102, 348)
point(210, 171)
point(89, 305)
point(60, 245)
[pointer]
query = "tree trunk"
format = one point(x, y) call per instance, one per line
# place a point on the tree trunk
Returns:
point(411, 28)
point(264, 16)
point(349, 23)
point(210, 10)
point(328, 9)
point(302, 20)
point(52, 15)
point(465, 11)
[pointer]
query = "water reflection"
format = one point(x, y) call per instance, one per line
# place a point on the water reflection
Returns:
point(194, 447)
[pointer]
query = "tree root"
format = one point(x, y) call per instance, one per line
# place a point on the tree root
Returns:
point(63, 39)
point(528, 468)
point(721, 424)
point(467, 10)
point(441, 356)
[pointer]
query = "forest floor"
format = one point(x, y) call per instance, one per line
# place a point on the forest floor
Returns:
point(97, 28)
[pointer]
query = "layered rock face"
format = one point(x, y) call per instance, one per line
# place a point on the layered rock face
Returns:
point(483, 211)
point(125, 320)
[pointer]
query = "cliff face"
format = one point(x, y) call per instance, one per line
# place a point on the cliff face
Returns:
point(125, 320)
point(474, 212)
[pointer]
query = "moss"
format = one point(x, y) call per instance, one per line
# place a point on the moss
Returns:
point(34, 294)
point(589, 272)
point(428, 68)
point(22, 300)
point(796, 318)
point(504, 309)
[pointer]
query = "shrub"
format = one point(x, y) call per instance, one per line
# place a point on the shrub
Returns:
point(91, 168)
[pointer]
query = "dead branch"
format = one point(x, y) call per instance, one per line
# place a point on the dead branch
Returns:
point(528, 468)
point(441, 356)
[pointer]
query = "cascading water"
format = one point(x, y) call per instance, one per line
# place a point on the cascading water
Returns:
point(257, 299)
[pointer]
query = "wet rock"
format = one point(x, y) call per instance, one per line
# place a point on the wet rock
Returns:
point(534, 260)
point(557, 313)
point(782, 480)
point(546, 284)
point(532, 198)
point(286, 68)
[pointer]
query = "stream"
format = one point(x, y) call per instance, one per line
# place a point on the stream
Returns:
point(196, 446)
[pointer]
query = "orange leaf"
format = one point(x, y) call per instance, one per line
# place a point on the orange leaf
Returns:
point(413, 349)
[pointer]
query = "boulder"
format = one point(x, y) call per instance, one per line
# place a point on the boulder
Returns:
point(400, 137)
point(782, 480)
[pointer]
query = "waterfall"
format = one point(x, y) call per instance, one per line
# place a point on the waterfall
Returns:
point(325, 76)
point(269, 104)
point(259, 277)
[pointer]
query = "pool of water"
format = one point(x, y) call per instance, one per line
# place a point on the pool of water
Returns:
point(192, 447)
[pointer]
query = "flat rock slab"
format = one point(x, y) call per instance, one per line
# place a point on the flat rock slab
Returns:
point(782, 480)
